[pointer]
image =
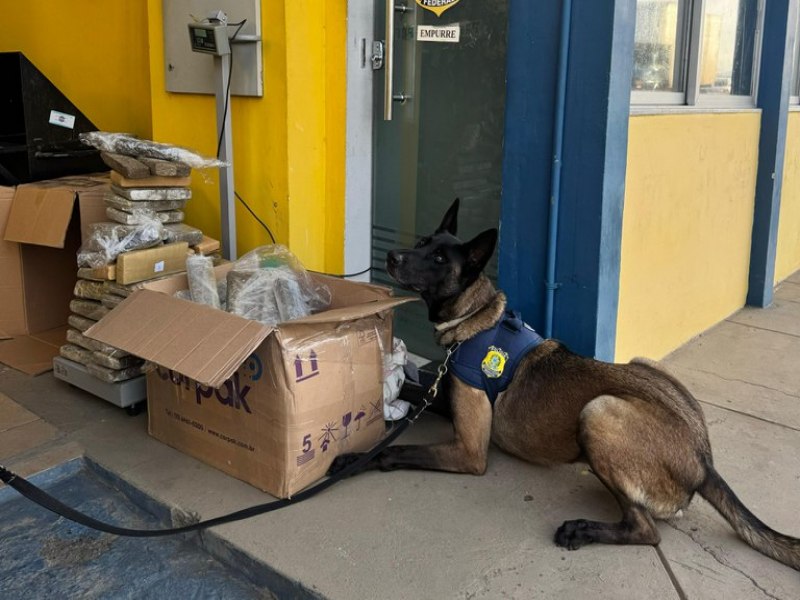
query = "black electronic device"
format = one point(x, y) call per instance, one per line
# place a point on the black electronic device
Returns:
point(39, 127)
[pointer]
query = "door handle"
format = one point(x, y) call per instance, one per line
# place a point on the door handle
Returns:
point(389, 97)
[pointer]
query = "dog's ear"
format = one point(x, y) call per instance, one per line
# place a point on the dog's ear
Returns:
point(450, 220)
point(479, 250)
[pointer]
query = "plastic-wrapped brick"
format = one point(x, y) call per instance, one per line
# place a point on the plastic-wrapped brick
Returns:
point(121, 203)
point(181, 232)
point(76, 337)
point(113, 376)
point(76, 354)
point(90, 309)
point(107, 240)
point(114, 363)
point(135, 216)
point(111, 301)
point(151, 194)
point(90, 290)
point(202, 283)
point(80, 323)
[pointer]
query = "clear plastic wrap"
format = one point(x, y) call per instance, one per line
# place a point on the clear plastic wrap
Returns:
point(122, 143)
point(119, 289)
point(117, 364)
point(135, 216)
point(270, 285)
point(105, 241)
point(222, 294)
point(202, 283)
point(90, 290)
point(393, 378)
point(121, 203)
point(90, 309)
point(76, 354)
point(181, 232)
point(111, 301)
point(76, 337)
point(171, 216)
point(80, 323)
point(111, 376)
point(152, 194)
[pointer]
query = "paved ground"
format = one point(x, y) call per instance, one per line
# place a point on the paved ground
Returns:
point(44, 555)
point(417, 535)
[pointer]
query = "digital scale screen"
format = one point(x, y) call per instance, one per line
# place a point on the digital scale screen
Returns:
point(210, 39)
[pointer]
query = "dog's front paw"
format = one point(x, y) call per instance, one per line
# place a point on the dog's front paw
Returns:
point(343, 461)
point(573, 534)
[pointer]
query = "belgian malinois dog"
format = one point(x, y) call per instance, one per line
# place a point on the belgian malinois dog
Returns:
point(640, 430)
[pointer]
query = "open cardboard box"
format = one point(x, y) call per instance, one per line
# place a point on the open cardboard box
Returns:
point(272, 406)
point(41, 225)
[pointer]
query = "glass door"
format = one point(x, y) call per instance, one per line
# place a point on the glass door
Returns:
point(439, 106)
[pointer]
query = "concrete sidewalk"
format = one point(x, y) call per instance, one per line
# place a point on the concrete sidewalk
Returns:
point(420, 535)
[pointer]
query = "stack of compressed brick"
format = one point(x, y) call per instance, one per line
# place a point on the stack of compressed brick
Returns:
point(93, 300)
point(144, 239)
point(150, 186)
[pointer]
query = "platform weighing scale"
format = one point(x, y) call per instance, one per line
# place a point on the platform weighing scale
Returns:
point(212, 36)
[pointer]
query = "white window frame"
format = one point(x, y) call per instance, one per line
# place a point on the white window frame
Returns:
point(690, 50)
point(794, 97)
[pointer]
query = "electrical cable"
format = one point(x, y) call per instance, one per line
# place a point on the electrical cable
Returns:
point(219, 147)
point(269, 231)
point(255, 216)
point(230, 78)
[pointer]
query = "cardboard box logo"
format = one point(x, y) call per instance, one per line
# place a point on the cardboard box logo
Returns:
point(233, 393)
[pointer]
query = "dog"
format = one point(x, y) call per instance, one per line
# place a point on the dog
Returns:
point(640, 430)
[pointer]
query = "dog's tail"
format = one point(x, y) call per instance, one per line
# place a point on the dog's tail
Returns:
point(783, 548)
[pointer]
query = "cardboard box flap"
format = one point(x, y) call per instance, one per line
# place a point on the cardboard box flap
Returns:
point(40, 216)
point(350, 313)
point(203, 343)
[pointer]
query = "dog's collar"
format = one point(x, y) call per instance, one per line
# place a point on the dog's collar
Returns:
point(455, 322)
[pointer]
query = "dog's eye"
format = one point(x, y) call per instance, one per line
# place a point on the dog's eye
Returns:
point(439, 259)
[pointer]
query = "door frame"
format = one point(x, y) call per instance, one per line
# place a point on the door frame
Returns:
point(359, 139)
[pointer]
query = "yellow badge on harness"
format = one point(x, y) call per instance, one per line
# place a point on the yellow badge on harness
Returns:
point(494, 362)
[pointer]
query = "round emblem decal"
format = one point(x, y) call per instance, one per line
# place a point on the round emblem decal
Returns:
point(494, 362)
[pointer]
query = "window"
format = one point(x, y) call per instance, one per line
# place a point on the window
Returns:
point(696, 52)
point(794, 91)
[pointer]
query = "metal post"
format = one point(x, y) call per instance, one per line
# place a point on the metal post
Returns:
point(226, 194)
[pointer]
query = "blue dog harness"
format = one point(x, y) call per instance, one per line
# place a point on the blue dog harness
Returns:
point(488, 360)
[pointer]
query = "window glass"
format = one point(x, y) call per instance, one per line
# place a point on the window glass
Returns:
point(796, 54)
point(657, 42)
point(728, 43)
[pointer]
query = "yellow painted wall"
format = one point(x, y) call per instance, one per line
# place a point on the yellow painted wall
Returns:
point(288, 147)
point(787, 258)
point(686, 228)
point(94, 51)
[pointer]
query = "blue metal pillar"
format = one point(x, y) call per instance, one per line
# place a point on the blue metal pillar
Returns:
point(593, 175)
point(531, 76)
point(595, 140)
point(773, 99)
